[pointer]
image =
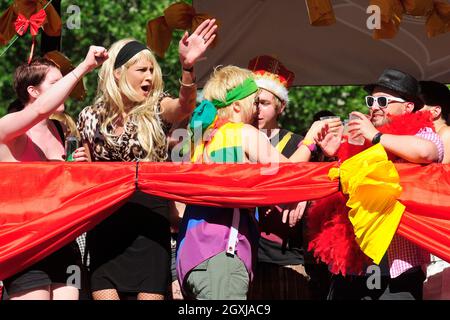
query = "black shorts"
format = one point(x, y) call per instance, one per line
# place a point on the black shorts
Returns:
point(52, 269)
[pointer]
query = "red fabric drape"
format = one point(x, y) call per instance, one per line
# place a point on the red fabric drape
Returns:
point(237, 185)
point(44, 206)
point(426, 195)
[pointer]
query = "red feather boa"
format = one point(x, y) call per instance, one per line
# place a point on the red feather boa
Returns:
point(330, 233)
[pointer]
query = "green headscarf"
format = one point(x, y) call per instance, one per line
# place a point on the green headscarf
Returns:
point(206, 112)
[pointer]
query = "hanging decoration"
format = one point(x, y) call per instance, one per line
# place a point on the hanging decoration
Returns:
point(35, 22)
point(22, 14)
point(320, 12)
point(437, 13)
point(177, 16)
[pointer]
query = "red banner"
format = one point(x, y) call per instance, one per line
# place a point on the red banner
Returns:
point(426, 195)
point(46, 205)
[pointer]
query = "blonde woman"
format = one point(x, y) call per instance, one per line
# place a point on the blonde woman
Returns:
point(129, 121)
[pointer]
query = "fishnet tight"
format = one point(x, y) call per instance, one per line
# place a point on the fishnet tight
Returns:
point(107, 294)
point(111, 294)
point(150, 296)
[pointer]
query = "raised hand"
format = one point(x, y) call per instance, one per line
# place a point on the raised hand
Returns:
point(95, 57)
point(330, 142)
point(315, 130)
point(192, 47)
point(319, 129)
point(361, 127)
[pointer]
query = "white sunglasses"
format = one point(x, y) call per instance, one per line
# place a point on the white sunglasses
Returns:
point(382, 101)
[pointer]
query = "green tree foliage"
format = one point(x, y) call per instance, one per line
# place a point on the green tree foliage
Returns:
point(306, 101)
point(104, 21)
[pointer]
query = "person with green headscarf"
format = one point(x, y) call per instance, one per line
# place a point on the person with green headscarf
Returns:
point(217, 246)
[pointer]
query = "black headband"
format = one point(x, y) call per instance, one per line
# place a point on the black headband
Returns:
point(127, 52)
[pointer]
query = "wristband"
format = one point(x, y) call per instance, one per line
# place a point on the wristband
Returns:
point(188, 70)
point(188, 85)
point(75, 75)
point(309, 144)
point(376, 138)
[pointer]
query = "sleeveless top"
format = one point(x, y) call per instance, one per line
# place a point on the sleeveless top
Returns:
point(31, 152)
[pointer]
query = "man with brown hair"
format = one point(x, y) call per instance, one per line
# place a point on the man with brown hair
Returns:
point(280, 272)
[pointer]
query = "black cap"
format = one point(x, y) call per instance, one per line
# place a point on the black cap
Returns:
point(402, 83)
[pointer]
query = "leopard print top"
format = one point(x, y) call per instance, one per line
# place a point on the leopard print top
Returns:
point(127, 146)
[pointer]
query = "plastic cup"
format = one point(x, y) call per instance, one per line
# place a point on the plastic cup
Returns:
point(345, 132)
point(329, 118)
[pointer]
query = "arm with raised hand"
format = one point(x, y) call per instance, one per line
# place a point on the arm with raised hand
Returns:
point(15, 124)
point(191, 49)
point(316, 134)
point(303, 153)
point(408, 147)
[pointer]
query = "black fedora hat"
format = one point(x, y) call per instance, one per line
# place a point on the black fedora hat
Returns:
point(402, 83)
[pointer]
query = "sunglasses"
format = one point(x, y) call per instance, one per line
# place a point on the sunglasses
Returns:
point(382, 101)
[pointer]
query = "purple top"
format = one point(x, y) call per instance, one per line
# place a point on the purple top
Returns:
point(204, 233)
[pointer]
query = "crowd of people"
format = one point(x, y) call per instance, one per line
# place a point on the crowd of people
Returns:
point(154, 249)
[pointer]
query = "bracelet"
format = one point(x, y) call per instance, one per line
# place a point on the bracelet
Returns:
point(376, 138)
point(188, 85)
point(309, 144)
point(75, 75)
point(188, 70)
